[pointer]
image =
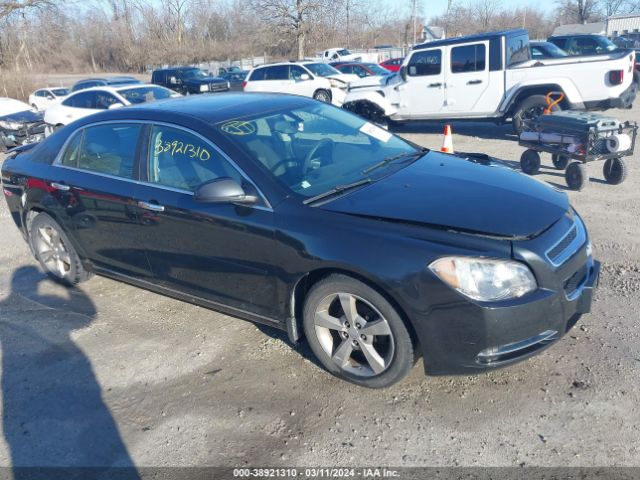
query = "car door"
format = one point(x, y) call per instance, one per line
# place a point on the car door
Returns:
point(423, 92)
point(277, 79)
point(217, 252)
point(78, 106)
point(301, 86)
point(468, 80)
point(96, 181)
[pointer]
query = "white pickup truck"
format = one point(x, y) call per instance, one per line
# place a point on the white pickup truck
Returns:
point(491, 76)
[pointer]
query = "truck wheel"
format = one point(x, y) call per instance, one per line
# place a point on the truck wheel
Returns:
point(529, 109)
point(576, 176)
point(322, 96)
point(356, 333)
point(615, 171)
point(560, 161)
point(530, 162)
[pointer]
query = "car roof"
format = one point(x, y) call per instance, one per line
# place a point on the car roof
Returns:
point(115, 88)
point(168, 69)
point(211, 108)
point(471, 38)
point(110, 79)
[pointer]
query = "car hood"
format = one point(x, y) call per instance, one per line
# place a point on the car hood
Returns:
point(455, 193)
point(202, 81)
point(26, 116)
point(345, 77)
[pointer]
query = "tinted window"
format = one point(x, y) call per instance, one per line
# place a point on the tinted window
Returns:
point(109, 149)
point(104, 100)
point(345, 68)
point(145, 94)
point(296, 72)
point(60, 92)
point(279, 72)
point(70, 155)
point(81, 100)
point(537, 52)
point(518, 49)
point(182, 160)
point(428, 62)
point(560, 42)
point(360, 71)
point(258, 74)
point(469, 58)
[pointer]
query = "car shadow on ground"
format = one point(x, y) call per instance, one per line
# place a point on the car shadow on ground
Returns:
point(485, 130)
point(53, 411)
point(301, 348)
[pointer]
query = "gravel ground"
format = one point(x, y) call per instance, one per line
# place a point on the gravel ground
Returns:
point(112, 374)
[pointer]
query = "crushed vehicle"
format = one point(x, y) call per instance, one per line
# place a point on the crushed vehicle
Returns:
point(189, 80)
point(492, 77)
point(296, 214)
point(19, 124)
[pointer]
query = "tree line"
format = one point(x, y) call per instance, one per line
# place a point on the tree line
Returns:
point(132, 35)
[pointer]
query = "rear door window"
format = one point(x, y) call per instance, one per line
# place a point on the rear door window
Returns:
point(425, 63)
point(279, 72)
point(468, 58)
point(107, 149)
point(258, 74)
point(81, 100)
point(518, 49)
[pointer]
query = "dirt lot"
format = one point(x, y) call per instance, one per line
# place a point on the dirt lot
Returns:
point(111, 374)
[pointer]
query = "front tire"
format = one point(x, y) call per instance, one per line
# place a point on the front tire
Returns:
point(530, 162)
point(576, 176)
point(55, 253)
point(356, 333)
point(322, 96)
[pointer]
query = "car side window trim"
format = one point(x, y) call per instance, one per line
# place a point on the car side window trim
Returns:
point(144, 140)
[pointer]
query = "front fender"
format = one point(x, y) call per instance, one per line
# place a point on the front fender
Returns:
point(354, 98)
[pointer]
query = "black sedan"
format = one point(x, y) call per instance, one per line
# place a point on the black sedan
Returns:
point(293, 213)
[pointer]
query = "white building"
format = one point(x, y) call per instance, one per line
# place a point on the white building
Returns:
point(623, 25)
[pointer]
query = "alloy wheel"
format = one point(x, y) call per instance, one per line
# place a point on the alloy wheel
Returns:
point(354, 334)
point(52, 251)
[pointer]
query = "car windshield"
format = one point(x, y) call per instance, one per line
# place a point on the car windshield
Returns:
point(377, 69)
point(322, 69)
point(145, 94)
point(194, 73)
point(605, 44)
point(343, 52)
point(315, 148)
point(60, 92)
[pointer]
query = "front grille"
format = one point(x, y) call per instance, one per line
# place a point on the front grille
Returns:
point(555, 252)
point(569, 244)
point(576, 280)
point(217, 87)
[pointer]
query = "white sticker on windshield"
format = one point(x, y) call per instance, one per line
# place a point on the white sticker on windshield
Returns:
point(375, 132)
point(305, 184)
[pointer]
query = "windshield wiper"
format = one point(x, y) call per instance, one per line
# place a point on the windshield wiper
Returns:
point(337, 190)
point(393, 158)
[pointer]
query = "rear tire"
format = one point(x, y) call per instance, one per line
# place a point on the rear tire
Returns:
point(356, 333)
point(615, 171)
point(322, 96)
point(55, 252)
point(560, 161)
point(529, 109)
point(530, 162)
point(576, 176)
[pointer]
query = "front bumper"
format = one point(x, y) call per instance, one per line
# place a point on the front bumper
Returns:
point(461, 336)
point(30, 133)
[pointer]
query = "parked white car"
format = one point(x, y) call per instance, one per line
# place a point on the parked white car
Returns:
point(96, 99)
point(308, 79)
point(339, 55)
point(46, 97)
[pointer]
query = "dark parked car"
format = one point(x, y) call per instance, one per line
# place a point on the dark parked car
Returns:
point(235, 79)
point(103, 82)
point(585, 44)
point(19, 124)
point(361, 69)
point(541, 50)
point(293, 213)
point(189, 80)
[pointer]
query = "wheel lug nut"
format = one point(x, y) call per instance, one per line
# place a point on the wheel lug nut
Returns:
point(363, 337)
point(358, 326)
point(346, 324)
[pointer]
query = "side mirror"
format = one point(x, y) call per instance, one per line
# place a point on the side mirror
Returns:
point(305, 76)
point(403, 72)
point(50, 97)
point(116, 105)
point(223, 190)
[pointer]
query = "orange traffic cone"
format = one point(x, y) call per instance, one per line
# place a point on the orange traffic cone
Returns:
point(447, 144)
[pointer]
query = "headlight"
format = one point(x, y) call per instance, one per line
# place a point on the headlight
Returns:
point(204, 88)
point(228, 85)
point(337, 83)
point(485, 279)
point(8, 125)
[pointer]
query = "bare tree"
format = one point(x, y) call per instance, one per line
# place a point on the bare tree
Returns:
point(620, 7)
point(579, 11)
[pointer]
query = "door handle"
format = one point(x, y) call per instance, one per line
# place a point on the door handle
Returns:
point(474, 82)
point(434, 85)
point(154, 207)
point(60, 186)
